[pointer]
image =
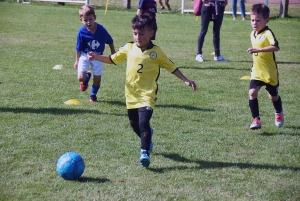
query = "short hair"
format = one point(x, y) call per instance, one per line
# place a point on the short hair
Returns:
point(261, 9)
point(86, 11)
point(141, 21)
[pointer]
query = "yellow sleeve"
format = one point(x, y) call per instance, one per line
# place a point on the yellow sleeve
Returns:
point(165, 62)
point(121, 54)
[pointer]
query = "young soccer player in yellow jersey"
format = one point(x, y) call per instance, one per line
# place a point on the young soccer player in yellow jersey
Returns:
point(264, 70)
point(144, 60)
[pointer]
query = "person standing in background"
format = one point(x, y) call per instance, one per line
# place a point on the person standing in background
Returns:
point(242, 7)
point(149, 6)
point(211, 10)
point(162, 5)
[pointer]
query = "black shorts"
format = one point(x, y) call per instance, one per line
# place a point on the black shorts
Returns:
point(139, 119)
point(273, 90)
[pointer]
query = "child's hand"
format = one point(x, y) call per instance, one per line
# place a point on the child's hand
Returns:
point(91, 56)
point(191, 84)
point(252, 50)
point(76, 65)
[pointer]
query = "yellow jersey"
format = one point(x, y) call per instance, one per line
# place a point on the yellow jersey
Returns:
point(142, 73)
point(264, 63)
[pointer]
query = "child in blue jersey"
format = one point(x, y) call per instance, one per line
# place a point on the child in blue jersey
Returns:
point(91, 37)
point(149, 6)
point(264, 70)
point(144, 60)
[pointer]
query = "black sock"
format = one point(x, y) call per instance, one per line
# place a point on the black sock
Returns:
point(277, 105)
point(253, 104)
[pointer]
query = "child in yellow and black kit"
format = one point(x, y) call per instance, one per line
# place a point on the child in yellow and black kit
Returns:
point(144, 60)
point(264, 70)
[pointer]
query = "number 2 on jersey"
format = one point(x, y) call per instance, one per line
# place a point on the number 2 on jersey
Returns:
point(140, 69)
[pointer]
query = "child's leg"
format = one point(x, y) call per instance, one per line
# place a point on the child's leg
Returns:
point(83, 77)
point(83, 66)
point(274, 97)
point(276, 100)
point(161, 4)
point(167, 4)
point(140, 122)
point(253, 104)
point(95, 88)
point(253, 101)
point(97, 71)
point(133, 116)
point(145, 114)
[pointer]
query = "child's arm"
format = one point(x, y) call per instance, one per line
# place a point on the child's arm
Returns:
point(112, 48)
point(138, 11)
point(103, 58)
point(188, 82)
point(77, 59)
point(270, 48)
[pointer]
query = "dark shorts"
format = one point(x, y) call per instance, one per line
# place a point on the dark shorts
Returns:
point(273, 90)
point(139, 119)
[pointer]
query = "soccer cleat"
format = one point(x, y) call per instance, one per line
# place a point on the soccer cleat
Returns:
point(83, 87)
point(279, 119)
point(255, 124)
point(220, 58)
point(93, 99)
point(144, 159)
point(151, 143)
point(162, 8)
point(199, 58)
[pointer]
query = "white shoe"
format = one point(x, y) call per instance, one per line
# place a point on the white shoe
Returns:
point(199, 58)
point(220, 58)
point(279, 119)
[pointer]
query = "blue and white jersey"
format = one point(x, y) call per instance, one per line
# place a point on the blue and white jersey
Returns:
point(88, 42)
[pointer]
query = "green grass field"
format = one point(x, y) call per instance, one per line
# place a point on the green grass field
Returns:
point(203, 147)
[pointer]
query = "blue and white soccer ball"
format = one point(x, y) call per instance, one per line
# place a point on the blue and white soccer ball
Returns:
point(70, 166)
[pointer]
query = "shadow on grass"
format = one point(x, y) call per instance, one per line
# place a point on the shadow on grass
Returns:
point(186, 107)
point(278, 17)
point(94, 180)
point(47, 110)
point(54, 111)
point(267, 134)
point(287, 62)
point(297, 128)
point(119, 103)
point(294, 127)
point(214, 164)
point(213, 68)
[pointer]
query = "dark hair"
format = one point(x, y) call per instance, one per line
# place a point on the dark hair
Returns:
point(141, 21)
point(86, 11)
point(261, 9)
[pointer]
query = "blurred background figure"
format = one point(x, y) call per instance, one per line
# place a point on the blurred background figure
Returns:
point(162, 5)
point(242, 7)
